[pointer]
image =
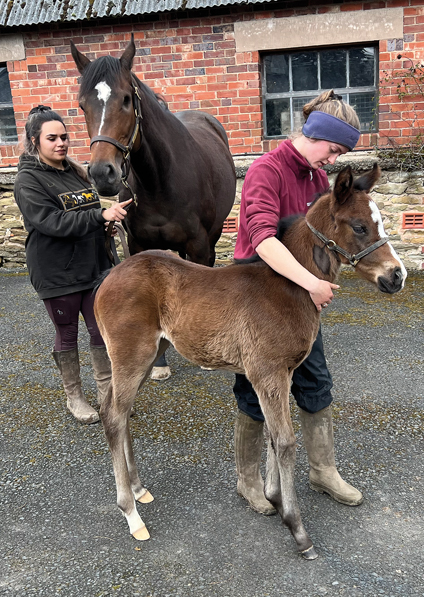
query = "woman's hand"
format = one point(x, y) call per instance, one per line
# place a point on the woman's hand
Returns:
point(116, 212)
point(322, 293)
point(277, 256)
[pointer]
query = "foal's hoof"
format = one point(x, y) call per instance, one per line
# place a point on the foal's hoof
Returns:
point(309, 554)
point(141, 534)
point(146, 498)
point(160, 373)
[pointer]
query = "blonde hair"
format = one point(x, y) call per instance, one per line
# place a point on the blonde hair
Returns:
point(334, 105)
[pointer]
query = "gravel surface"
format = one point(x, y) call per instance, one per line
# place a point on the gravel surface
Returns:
point(62, 534)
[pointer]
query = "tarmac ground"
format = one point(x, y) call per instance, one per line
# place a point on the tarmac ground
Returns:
point(62, 534)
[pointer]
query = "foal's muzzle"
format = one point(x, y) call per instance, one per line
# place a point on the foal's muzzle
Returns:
point(391, 283)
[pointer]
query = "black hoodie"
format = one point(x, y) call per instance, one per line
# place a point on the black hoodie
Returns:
point(65, 248)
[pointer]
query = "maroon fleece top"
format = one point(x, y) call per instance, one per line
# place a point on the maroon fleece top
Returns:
point(278, 184)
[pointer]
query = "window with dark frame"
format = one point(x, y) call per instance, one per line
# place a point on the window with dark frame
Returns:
point(8, 133)
point(290, 80)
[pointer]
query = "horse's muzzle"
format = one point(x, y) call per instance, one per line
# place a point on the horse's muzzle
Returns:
point(392, 283)
point(106, 178)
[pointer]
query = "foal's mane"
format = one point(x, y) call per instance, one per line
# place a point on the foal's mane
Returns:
point(108, 69)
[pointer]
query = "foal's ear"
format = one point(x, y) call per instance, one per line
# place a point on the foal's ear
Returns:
point(80, 60)
point(127, 57)
point(343, 185)
point(368, 180)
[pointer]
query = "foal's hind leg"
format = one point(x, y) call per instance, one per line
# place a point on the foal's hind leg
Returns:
point(273, 393)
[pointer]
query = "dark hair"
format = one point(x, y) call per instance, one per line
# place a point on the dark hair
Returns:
point(36, 118)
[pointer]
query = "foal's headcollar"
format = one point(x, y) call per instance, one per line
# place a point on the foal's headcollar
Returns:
point(353, 259)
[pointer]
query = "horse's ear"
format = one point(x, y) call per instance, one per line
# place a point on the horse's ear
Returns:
point(343, 185)
point(80, 60)
point(127, 57)
point(368, 180)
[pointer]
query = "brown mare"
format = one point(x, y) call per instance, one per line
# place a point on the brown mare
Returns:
point(155, 298)
point(179, 166)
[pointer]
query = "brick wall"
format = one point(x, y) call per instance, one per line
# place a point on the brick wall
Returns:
point(401, 120)
point(193, 62)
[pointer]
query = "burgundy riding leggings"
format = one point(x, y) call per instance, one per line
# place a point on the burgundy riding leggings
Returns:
point(64, 312)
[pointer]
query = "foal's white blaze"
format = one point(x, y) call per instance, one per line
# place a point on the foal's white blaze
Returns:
point(376, 217)
point(103, 93)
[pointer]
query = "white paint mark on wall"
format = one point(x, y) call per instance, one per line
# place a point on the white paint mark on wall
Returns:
point(103, 93)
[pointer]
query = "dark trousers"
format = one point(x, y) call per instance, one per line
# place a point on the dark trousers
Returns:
point(311, 385)
point(64, 312)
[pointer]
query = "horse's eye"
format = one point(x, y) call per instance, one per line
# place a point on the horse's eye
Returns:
point(359, 229)
point(81, 107)
point(127, 101)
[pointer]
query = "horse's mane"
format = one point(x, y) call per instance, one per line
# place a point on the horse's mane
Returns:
point(283, 225)
point(107, 69)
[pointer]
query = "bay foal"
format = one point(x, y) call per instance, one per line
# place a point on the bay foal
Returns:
point(154, 298)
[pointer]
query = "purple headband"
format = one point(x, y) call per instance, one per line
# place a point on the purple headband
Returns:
point(321, 125)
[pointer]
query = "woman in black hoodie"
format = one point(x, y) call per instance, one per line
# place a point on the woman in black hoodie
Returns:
point(65, 248)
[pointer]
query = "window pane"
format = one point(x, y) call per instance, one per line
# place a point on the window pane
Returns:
point(305, 71)
point(8, 132)
point(298, 118)
point(278, 117)
point(361, 67)
point(333, 69)
point(5, 93)
point(277, 73)
point(365, 105)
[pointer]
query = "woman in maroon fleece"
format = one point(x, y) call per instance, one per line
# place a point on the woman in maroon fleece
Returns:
point(280, 183)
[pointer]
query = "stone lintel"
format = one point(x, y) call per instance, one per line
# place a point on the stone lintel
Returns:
point(319, 30)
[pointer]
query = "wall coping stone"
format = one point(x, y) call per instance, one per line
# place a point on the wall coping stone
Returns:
point(358, 160)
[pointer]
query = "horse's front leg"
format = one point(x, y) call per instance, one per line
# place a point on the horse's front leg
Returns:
point(279, 486)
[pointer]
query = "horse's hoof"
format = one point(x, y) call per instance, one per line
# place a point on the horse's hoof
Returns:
point(146, 498)
point(309, 554)
point(141, 534)
point(160, 373)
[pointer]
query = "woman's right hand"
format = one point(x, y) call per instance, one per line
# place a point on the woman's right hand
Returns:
point(116, 212)
point(322, 293)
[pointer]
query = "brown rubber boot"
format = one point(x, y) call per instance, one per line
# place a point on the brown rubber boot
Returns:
point(317, 430)
point(67, 362)
point(248, 442)
point(102, 370)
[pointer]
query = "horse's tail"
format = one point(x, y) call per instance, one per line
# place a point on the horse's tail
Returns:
point(101, 279)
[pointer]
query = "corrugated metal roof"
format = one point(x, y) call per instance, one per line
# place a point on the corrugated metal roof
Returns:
point(15, 13)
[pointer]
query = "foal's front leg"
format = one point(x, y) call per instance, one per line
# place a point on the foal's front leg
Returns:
point(279, 485)
point(115, 413)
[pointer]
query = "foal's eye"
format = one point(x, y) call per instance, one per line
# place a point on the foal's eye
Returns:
point(359, 229)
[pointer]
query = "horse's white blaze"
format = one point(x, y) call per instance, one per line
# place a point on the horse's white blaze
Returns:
point(376, 217)
point(103, 94)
